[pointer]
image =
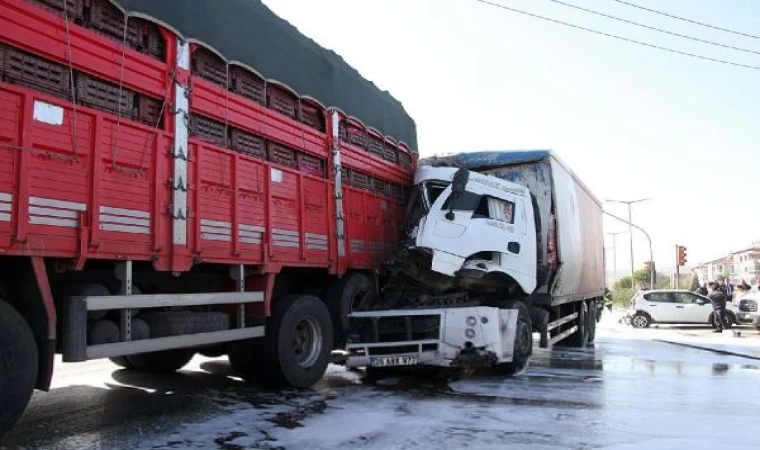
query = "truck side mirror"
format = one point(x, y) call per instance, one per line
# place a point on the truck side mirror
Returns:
point(459, 182)
point(458, 186)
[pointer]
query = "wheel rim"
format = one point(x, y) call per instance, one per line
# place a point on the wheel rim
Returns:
point(307, 342)
point(639, 321)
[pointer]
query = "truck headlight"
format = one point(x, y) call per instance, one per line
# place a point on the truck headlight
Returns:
point(472, 321)
point(469, 333)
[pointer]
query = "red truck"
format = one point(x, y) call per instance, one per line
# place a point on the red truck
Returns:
point(160, 197)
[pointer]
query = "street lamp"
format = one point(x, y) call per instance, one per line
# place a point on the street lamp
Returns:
point(614, 255)
point(630, 229)
point(649, 238)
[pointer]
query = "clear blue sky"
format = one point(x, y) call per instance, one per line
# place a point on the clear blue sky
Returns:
point(632, 122)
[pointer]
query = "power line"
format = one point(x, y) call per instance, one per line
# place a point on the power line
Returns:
point(633, 41)
point(704, 41)
point(633, 5)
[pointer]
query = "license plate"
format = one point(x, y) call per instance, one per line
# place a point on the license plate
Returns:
point(388, 361)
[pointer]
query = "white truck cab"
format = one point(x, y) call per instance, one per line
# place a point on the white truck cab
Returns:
point(487, 227)
point(496, 245)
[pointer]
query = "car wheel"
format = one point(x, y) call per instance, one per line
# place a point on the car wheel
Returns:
point(641, 320)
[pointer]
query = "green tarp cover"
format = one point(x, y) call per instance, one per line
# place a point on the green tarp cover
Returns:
point(249, 32)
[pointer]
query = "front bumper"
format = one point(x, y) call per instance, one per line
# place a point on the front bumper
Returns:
point(443, 337)
point(748, 318)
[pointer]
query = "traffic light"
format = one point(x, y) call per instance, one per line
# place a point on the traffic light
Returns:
point(681, 255)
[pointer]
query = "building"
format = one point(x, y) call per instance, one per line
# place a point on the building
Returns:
point(746, 265)
point(738, 265)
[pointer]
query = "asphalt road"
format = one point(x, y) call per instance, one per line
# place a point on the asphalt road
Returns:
point(624, 392)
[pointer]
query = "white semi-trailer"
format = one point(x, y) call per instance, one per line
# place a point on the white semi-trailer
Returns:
point(498, 245)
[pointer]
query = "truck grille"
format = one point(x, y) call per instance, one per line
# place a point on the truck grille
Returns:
point(748, 305)
point(394, 328)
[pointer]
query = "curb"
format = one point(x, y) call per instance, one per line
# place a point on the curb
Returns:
point(714, 350)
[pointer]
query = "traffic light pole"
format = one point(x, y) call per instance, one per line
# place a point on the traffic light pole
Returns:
point(678, 267)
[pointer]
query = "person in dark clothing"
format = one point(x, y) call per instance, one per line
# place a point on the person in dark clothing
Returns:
point(718, 299)
point(702, 290)
point(728, 288)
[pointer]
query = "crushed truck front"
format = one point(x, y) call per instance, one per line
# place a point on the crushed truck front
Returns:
point(470, 245)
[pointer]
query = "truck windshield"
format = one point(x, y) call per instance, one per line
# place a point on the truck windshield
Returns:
point(433, 190)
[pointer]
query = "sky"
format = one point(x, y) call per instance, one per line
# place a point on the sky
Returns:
point(632, 121)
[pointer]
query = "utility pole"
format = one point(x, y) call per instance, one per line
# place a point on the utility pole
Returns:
point(614, 255)
point(649, 238)
point(630, 228)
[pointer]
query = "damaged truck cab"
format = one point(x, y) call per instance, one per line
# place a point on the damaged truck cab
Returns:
point(477, 229)
point(498, 245)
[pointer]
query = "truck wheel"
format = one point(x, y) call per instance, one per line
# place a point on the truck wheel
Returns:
point(354, 292)
point(166, 361)
point(523, 339)
point(641, 320)
point(297, 345)
point(592, 318)
point(580, 337)
point(140, 331)
point(18, 365)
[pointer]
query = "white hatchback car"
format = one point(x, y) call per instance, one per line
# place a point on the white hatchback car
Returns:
point(674, 306)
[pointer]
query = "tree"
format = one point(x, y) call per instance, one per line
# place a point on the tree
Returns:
point(641, 279)
point(623, 283)
point(694, 282)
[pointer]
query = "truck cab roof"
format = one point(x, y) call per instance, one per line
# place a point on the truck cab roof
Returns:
point(479, 183)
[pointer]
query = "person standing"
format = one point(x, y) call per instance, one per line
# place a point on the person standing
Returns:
point(728, 288)
point(740, 291)
point(718, 299)
point(702, 290)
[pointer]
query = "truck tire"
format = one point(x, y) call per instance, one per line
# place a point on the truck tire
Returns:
point(592, 318)
point(523, 339)
point(18, 365)
point(580, 337)
point(88, 290)
point(353, 292)
point(166, 361)
point(140, 331)
point(297, 345)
